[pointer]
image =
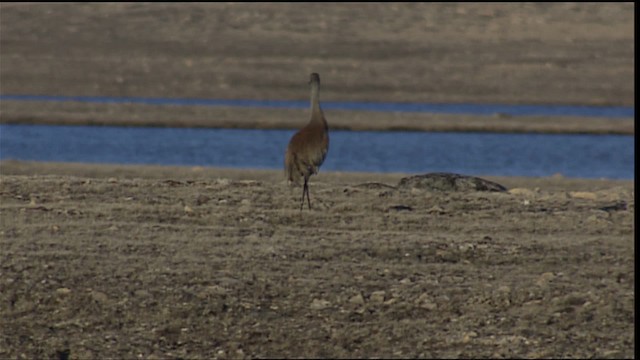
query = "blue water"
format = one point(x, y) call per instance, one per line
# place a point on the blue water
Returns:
point(471, 109)
point(582, 156)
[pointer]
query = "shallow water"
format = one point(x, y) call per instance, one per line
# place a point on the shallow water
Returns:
point(583, 156)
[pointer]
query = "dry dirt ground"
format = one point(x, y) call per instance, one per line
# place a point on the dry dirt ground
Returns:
point(130, 262)
point(518, 53)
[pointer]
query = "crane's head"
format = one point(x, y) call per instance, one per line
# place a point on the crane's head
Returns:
point(314, 78)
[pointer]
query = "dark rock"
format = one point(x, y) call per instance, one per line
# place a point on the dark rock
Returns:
point(621, 205)
point(449, 182)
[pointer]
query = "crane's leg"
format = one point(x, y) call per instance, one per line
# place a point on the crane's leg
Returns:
point(305, 190)
point(308, 200)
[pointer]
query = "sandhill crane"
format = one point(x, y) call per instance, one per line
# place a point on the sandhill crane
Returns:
point(308, 147)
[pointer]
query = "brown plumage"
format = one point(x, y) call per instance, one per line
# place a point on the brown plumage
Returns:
point(308, 147)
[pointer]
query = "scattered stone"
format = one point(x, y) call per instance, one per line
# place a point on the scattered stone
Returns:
point(63, 291)
point(544, 279)
point(99, 296)
point(522, 192)
point(377, 297)
point(202, 199)
point(247, 183)
point(112, 180)
point(173, 182)
point(318, 304)
point(400, 208)
point(468, 336)
point(357, 300)
point(583, 195)
point(426, 302)
point(374, 186)
point(391, 301)
point(436, 210)
point(188, 209)
point(620, 205)
point(465, 247)
point(141, 293)
point(449, 182)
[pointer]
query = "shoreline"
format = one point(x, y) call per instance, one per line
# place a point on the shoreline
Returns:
point(43, 113)
point(132, 171)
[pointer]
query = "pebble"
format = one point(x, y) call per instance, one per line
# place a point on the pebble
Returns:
point(318, 304)
point(587, 195)
point(377, 297)
point(468, 336)
point(544, 279)
point(63, 291)
point(357, 299)
point(523, 192)
point(99, 296)
point(436, 210)
point(424, 301)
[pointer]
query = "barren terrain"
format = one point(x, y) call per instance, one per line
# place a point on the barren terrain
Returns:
point(154, 262)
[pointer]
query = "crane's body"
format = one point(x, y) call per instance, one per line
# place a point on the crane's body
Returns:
point(309, 146)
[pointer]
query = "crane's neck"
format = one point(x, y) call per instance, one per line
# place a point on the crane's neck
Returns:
point(316, 111)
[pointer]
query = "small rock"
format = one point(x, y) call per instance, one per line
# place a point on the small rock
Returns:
point(391, 301)
point(544, 279)
point(245, 202)
point(99, 296)
point(583, 195)
point(522, 192)
point(63, 291)
point(468, 336)
point(202, 199)
point(112, 180)
point(141, 293)
point(465, 247)
point(223, 181)
point(424, 301)
point(436, 210)
point(318, 304)
point(377, 297)
point(357, 300)
point(400, 208)
point(188, 209)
